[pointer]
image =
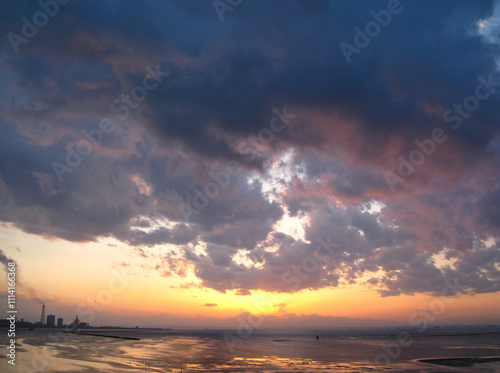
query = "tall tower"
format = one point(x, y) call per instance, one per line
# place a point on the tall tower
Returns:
point(42, 318)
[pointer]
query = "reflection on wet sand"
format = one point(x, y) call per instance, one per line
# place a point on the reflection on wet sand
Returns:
point(193, 351)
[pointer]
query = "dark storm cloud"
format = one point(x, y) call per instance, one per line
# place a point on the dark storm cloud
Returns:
point(179, 235)
point(230, 80)
point(100, 198)
point(4, 259)
point(365, 246)
point(382, 91)
point(352, 122)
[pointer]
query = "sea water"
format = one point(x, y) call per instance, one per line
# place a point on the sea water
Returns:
point(296, 350)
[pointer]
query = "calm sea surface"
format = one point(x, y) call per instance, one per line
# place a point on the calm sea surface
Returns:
point(261, 351)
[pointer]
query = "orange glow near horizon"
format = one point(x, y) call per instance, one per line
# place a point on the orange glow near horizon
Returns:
point(139, 289)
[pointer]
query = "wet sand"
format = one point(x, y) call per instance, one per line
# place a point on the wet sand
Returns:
point(199, 351)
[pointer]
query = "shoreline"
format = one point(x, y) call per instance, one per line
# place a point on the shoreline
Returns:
point(104, 335)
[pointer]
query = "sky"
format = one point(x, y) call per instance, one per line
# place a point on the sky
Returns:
point(200, 163)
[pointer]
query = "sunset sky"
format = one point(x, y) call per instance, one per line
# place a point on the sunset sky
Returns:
point(315, 163)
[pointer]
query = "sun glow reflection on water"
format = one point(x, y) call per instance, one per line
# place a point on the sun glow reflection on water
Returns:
point(207, 351)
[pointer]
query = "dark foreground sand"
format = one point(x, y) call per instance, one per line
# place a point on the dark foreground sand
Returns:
point(163, 351)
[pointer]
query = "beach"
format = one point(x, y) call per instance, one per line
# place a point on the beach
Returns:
point(159, 350)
